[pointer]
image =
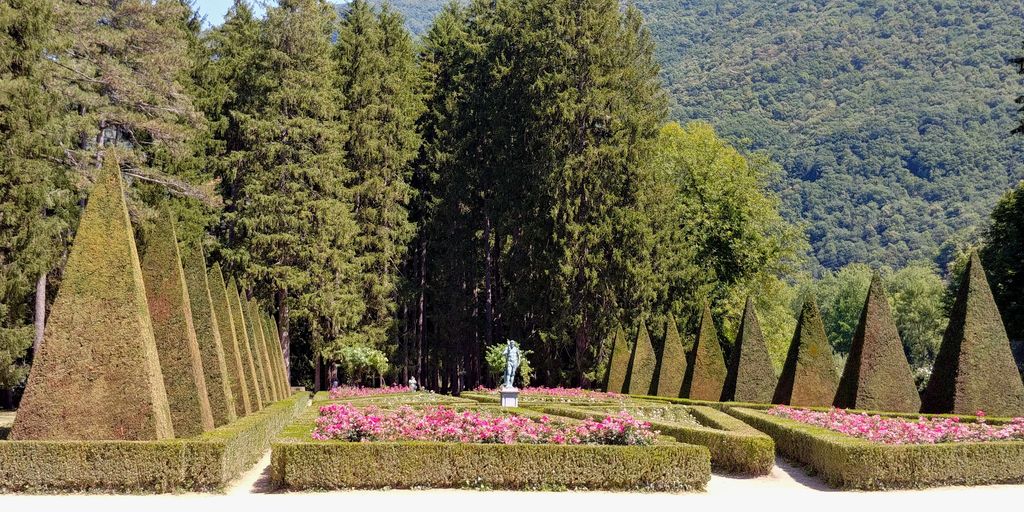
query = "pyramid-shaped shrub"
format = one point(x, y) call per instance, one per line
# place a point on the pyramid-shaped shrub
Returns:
point(618, 365)
point(706, 373)
point(276, 354)
point(97, 375)
point(275, 330)
point(233, 353)
point(641, 365)
point(877, 374)
point(171, 311)
point(808, 375)
point(262, 361)
point(245, 341)
point(751, 377)
point(268, 345)
point(974, 369)
point(211, 348)
point(673, 362)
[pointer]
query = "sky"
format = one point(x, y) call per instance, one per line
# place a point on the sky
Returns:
point(214, 10)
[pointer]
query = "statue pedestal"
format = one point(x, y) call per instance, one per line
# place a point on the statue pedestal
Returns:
point(509, 397)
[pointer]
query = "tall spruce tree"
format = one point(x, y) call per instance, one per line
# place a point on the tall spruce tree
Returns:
point(292, 211)
point(376, 77)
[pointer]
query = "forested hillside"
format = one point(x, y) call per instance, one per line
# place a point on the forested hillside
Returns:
point(891, 118)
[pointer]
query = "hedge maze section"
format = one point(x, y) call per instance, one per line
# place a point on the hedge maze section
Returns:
point(847, 462)
point(299, 463)
point(735, 447)
point(203, 463)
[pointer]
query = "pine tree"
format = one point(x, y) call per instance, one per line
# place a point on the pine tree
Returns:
point(376, 77)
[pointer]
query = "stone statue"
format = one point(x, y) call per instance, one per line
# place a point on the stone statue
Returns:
point(412, 383)
point(512, 356)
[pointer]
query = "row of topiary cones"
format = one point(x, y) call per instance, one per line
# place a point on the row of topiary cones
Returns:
point(155, 349)
point(974, 369)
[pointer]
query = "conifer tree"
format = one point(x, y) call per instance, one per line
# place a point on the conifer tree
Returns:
point(751, 376)
point(376, 78)
point(642, 363)
point(706, 372)
point(877, 375)
point(673, 364)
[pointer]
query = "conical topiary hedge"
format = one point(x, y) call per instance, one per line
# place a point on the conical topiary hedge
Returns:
point(171, 311)
point(673, 362)
point(278, 354)
point(97, 375)
point(250, 310)
point(618, 365)
point(974, 369)
point(284, 357)
point(211, 349)
point(877, 375)
point(641, 365)
point(233, 352)
point(246, 347)
point(751, 377)
point(808, 375)
point(706, 373)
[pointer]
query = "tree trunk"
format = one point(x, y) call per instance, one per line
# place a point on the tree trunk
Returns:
point(40, 314)
point(317, 376)
point(283, 318)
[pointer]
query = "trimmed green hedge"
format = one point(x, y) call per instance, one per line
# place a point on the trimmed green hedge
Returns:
point(343, 465)
point(205, 462)
point(850, 463)
point(735, 446)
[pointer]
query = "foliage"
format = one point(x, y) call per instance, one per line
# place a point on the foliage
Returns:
point(230, 332)
point(706, 371)
point(751, 377)
point(672, 365)
point(494, 356)
point(618, 365)
point(360, 361)
point(1002, 253)
point(642, 363)
point(974, 369)
point(14, 343)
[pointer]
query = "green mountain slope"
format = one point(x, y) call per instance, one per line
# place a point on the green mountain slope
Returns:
point(891, 118)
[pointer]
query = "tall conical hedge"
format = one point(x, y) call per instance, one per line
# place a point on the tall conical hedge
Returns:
point(673, 362)
point(259, 350)
point(284, 359)
point(751, 377)
point(808, 375)
point(706, 372)
point(171, 311)
point(229, 335)
point(98, 374)
point(246, 347)
point(272, 374)
point(618, 365)
point(277, 354)
point(974, 369)
point(211, 348)
point(877, 375)
point(641, 365)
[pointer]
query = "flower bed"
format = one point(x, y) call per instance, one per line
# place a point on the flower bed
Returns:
point(850, 462)
point(345, 422)
point(541, 395)
point(343, 392)
point(904, 431)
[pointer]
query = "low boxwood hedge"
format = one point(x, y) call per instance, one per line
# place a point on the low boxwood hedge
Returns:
point(735, 446)
point(342, 465)
point(851, 463)
point(205, 462)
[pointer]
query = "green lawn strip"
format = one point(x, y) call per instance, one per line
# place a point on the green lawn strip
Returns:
point(735, 447)
point(847, 462)
point(201, 463)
